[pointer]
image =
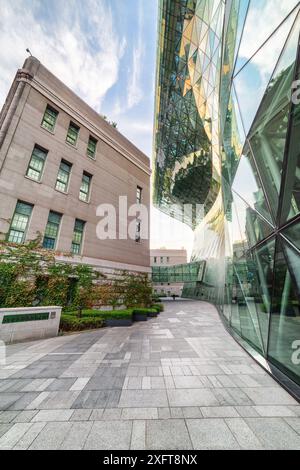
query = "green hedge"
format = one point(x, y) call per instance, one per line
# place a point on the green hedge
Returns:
point(106, 314)
point(71, 323)
point(158, 307)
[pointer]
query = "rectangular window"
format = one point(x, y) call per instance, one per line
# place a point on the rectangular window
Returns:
point(77, 236)
point(36, 164)
point(161, 259)
point(138, 231)
point(155, 259)
point(85, 187)
point(19, 223)
point(63, 176)
point(49, 119)
point(51, 232)
point(72, 134)
point(138, 195)
point(168, 259)
point(91, 148)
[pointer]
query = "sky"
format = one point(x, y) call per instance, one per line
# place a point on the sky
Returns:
point(105, 51)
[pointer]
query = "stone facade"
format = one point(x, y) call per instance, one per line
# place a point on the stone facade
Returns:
point(117, 169)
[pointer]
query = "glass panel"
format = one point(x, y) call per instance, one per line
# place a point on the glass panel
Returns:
point(268, 133)
point(36, 163)
point(75, 248)
point(247, 185)
point(284, 338)
point(19, 222)
point(49, 243)
point(293, 233)
point(72, 135)
point(85, 187)
point(51, 230)
point(138, 195)
point(15, 236)
point(63, 176)
point(291, 195)
point(251, 82)
point(49, 118)
point(91, 150)
point(252, 227)
point(257, 29)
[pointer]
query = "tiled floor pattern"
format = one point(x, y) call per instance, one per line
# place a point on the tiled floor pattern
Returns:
point(175, 382)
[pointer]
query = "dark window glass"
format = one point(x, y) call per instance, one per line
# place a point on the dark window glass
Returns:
point(72, 134)
point(19, 223)
point(36, 164)
point(63, 176)
point(51, 231)
point(91, 148)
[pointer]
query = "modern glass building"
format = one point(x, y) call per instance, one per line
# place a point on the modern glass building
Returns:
point(227, 137)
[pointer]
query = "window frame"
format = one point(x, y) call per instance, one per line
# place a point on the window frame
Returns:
point(73, 243)
point(15, 229)
point(65, 162)
point(91, 138)
point(75, 126)
point(49, 237)
point(52, 109)
point(138, 224)
point(30, 167)
point(139, 190)
point(88, 194)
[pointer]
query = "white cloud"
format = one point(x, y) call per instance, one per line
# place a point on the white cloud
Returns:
point(134, 89)
point(77, 43)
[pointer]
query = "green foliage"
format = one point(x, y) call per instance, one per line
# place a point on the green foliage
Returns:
point(158, 307)
point(134, 289)
point(144, 311)
point(31, 275)
point(107, 314)
point(72, 323)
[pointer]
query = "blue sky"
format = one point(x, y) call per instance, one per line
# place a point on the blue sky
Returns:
point(103, 49)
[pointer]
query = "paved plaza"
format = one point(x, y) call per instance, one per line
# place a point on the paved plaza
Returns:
point(178, 381)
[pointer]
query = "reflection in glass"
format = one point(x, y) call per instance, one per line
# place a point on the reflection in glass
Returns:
point(248, 185)
point(251, 82)
point(291, 195)
point(285, 317)
point(292, 232)
point(268, 133)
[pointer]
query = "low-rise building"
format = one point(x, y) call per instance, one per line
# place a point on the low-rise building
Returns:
point(163, 257)
point(60, 160)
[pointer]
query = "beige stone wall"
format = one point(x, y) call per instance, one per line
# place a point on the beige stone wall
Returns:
point(170, 257)
point(118, 169)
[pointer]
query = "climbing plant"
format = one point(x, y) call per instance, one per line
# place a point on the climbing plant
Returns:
point(31, 275)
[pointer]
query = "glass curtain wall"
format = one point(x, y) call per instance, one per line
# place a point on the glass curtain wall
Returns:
point(227, 128)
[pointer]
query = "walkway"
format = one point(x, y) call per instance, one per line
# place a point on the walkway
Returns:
point(176, 382)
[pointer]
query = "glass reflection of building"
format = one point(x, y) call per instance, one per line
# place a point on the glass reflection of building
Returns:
point(227, 137)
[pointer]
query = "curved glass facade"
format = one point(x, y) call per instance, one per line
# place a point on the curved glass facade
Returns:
point(227, 137)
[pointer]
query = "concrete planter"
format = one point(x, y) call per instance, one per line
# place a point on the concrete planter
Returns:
point(140, 317)
point(118, 322)
point(152, 314)
point(24, 324)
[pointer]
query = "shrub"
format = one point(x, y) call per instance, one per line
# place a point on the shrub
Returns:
point(105, 315)
point(158, 307)
point(71, 323)
point(144, 311)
